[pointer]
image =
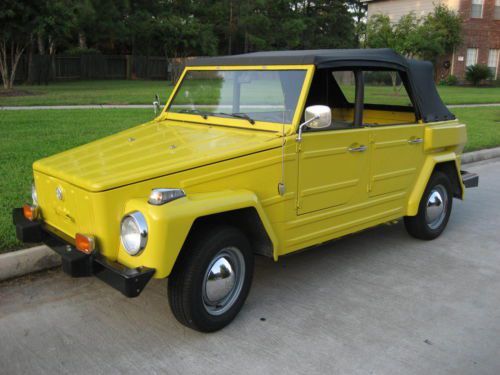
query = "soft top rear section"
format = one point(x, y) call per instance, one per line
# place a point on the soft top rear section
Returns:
point(428, 100)
point(420, 73)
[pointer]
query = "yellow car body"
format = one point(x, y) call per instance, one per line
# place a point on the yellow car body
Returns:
point(194, 193)
point(231, 165)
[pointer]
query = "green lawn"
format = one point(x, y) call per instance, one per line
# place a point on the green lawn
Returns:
point(31, 135)
point(142, 92)
point(88, 92)
point(483, 126)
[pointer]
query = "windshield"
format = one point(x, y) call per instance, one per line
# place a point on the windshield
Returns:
point(254, 95)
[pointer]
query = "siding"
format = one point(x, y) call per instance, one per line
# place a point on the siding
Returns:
point(395, 9)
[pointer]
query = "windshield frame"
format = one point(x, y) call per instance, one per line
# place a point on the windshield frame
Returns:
point(243, 123)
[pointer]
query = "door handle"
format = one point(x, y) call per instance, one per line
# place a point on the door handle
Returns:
point(361, 148)
point(415, 141)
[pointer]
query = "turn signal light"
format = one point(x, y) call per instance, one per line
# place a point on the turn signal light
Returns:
point(84, 243)
point(30, 212)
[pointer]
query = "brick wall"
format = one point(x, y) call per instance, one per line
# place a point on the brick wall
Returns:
point(481, 33)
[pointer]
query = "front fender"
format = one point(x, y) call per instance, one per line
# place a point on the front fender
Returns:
point(169, 225)
point(425, 173)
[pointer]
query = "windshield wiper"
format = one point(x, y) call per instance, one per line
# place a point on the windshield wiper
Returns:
point(205, 114)
point(237, 115)
point(196, 112)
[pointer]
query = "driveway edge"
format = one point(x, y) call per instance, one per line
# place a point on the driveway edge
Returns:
point(22, 262)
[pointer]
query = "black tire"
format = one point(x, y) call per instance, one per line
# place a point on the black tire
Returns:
point(187, 294)
point(418, 226)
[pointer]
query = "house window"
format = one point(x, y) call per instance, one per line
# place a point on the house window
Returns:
point(493, 61)
point(471, 57)
point(497, 10)
point(477, 9)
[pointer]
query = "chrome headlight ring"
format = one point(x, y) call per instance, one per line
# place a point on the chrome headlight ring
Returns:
point(34, 195)
point(134, 232)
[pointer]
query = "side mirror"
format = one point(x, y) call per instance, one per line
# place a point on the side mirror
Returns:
point(317, 117)
point(156, 104)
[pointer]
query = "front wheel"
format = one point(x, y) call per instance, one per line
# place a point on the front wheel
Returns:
point(434, 209)
point(212, 279)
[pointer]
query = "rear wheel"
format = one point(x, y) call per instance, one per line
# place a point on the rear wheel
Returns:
point(434, 209)
point(211, 280)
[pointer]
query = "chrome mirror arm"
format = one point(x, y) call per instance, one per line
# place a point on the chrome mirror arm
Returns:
point(303, 125)
point(156, 104)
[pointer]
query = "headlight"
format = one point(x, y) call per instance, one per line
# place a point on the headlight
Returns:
point(134, 232)
point(162, 196)
point(34, 195)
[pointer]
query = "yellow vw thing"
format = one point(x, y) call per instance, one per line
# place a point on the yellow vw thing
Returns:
point(263, 153)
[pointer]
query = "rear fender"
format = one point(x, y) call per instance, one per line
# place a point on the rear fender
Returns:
point(449, 163)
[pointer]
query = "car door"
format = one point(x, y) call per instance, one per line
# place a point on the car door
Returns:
point(396, 157)
point(396, 138)
point(332, 169)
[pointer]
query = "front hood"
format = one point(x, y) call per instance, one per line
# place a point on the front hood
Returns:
point(151, 150)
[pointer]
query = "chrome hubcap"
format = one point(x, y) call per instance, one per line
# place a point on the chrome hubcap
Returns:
point(437, 203)
point(223, 281)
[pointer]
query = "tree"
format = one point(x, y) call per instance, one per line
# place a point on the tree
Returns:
point(441, 32)
point(428, 38)
point(380, 32)
point(358, 10)
point(16, 25)
point(53, 24)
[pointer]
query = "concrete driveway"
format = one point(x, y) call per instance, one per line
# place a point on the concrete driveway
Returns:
point(378, 302)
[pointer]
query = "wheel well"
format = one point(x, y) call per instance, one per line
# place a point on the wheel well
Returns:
point(449, 168)
point(245, 219)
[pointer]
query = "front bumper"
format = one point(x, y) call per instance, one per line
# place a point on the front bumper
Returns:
point(129, 281)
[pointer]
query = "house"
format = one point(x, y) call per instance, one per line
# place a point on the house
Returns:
point(481, 30)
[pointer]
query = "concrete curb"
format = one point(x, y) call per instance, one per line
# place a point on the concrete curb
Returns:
point(22, 262)
point(474, 156)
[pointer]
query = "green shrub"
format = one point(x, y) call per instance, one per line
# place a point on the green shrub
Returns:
point(477, 73)
point(450, 80)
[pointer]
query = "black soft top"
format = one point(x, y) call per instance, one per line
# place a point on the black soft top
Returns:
point(419, 74)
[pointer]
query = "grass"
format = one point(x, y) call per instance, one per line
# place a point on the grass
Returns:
point(87, 92)
point(142, 92)
point(469, 95)
point(483, 126)
point(31, 135)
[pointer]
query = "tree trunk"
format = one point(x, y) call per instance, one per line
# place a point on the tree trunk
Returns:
point(41, 44)
point(229, 49)
point(16, 51)
point(3, 64)
point(82, 40)
point(29, 76)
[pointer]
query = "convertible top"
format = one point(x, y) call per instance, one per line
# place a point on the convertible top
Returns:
point(322, 58)
point(420, 77)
